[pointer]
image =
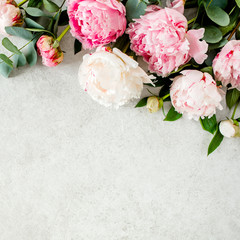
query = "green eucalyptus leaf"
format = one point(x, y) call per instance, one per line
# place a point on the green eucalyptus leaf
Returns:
point(20, 60)
point(172, 115)
point(10, 46)
point(216, 141)
point(209, 124)
point(142, 102)
point(63, 20)
point(35, 3)
point(208, 70)
point(55, 27)
point(238, 3)
point(50, 6)
point(6, 60)
point(19, 32)
point(35, 12)
point(135, 9)
point(217, 15)
point(5, 69)
point(32, 24)
point(212, 34)
point(220, 44)
point(219, 3)
point(31, 54)
point(232, 97)
point(77, 46)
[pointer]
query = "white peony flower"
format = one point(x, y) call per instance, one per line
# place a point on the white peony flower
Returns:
point(111, 77)
point(229, 129)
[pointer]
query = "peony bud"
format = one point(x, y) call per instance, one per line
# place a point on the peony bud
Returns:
point(51, 56)
point(10, 15)
point(154, 104)
point(229, 129)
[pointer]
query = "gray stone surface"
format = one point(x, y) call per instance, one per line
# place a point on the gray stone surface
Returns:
point(71, 169)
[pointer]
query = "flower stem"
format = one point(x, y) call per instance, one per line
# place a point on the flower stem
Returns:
point(126, 47)
point(22, 2)
point(235, 109)
point(192, 20)
point(166, 96)
point(234, 30)
point(63, 33)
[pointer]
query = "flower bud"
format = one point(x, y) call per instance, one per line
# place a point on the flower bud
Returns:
point(229, 129)
point(10, 15)
point(51, 55)
point(154, 104)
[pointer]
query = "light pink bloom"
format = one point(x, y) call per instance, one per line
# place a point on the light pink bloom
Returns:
point(51, 56)
point(162, 39)
point(229, 129)
point(195, 94)
point(111, 77)
point(10, 15)
point(226, 65)
point(177, 5)
point(96, 22)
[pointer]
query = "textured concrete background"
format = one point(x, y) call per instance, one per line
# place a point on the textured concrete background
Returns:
point(71, 169)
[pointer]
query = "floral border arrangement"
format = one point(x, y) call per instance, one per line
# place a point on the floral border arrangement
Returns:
point(196, 63)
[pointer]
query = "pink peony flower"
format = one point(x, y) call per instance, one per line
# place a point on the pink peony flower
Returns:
point(226, 65)
point(111, 77)
point(162, 39)
point(96, 22)
point(195, 94)
point(10, 15)
point(177, 5)
point(51, 56)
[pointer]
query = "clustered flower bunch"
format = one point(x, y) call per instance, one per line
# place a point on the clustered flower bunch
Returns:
point(195, 63)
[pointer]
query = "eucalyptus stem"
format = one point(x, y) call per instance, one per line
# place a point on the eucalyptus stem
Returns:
point(62, 4)
point(22, 2)
point(235, 109)
point(63, 33)
point(234, 30)
point(209, 4)
point(192, 20)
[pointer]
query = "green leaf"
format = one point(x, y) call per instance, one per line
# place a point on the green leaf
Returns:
point(172, 115)
point(135, 9)
point(6, 60)
point(63, 20)
point(142, 102)
point(40, 30)
point(217, 15)
point(50, 6)
point(35, 3)
point(5, 69)
point(238, 119)
point(207, 70)
point(220, 44)
point(31, 55)
point(219, 3)
point(212, 34)
point(10, 46)
point(77, 46)
point(19, 32)
point(20, 60)
point(216, 141)
point(209, 124)
point(232, 97)
point(238, 3)
point(55, 27)
point(35, 12)
point(32, 24)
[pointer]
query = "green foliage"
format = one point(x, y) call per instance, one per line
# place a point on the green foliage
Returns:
point(212, 34)
point(50, 6)
point(6, 60)
point(19, 32)
point(5, 69)
point(209, 124)
point(142, 102)
point(20, 60)
point(32, 24)
point(207, 70)
point(238, 3)
point(77, 46)
point(216, 141)
point(36, 12)
point(232, 97)
point(217, 3)
point(172, 115)
point(35, 3)
point(10, 46)
point(135, 8)
point(31, 55)
point(217, 15)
